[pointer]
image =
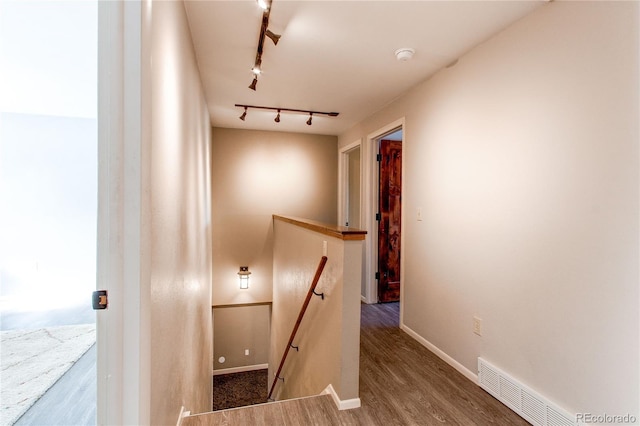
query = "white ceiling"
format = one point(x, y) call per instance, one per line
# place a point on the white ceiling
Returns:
point(333, 55)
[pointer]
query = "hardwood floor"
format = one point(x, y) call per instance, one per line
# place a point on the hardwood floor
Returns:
point(401, 383)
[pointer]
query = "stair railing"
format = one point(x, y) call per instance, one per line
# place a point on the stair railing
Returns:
point(303, 309)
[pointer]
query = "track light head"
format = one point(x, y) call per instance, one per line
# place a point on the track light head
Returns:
point(274, 37)
point(252, 86)
point(277, 119)
point(257, 67)
point(309, 120)
point(244, 114)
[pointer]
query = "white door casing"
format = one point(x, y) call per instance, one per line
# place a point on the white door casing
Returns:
point(123, 226)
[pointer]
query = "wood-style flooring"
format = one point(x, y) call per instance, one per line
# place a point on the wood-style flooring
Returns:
point(401, 383)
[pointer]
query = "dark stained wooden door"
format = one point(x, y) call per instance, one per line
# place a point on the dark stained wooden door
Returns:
point(389, 197)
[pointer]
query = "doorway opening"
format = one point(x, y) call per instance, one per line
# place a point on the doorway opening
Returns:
point(389, 216)
point(48, 194)
point(371, 212)
point(351, 196)
point(351, 182)
point(363, 157)
point(353, 188)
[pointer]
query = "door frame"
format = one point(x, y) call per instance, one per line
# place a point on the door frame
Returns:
point(123, 254)
point(370, 195)
point(343, 179)
point(343, 198)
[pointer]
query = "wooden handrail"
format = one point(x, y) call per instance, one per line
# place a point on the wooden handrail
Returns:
point(303, 309)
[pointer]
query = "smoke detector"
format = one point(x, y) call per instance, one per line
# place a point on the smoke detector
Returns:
point(404, 54)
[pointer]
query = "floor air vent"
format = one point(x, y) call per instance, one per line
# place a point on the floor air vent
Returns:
point(527, 404)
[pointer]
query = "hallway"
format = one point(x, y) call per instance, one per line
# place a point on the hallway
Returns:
point(401, 383)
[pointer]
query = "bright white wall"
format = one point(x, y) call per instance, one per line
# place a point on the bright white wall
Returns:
point(180, 200)
point(524, 160)
point(48, 175)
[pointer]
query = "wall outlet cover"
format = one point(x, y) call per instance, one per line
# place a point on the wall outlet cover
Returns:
point(477, 326)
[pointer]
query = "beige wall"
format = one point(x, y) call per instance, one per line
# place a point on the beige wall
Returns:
point(329, 334)
point(524, 160)
point(257, 174)
point(238, 328)
point(154, 241)
point(180, 206)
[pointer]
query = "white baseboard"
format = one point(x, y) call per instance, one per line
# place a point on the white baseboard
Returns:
point(363, 299)
point(241, 369)
point(441, 354)
point(346, 404)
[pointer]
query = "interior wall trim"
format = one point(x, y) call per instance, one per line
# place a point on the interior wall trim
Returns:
point(241, 369)
point(342, 404)
point(441, 354)
point(240, 305)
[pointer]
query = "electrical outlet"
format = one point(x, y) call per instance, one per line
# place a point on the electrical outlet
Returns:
point(246, 352)
point(477, 326)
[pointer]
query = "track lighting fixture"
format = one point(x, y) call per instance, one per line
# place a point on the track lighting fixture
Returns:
point(264, 31)
point(279, 110)
point(274, 37)
point(257, 67)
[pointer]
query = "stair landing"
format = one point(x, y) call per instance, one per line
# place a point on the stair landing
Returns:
point(316, 410)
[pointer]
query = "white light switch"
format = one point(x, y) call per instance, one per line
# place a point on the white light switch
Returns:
point(246, 351)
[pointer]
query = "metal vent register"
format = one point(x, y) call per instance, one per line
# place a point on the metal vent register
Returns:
point(529, 405)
